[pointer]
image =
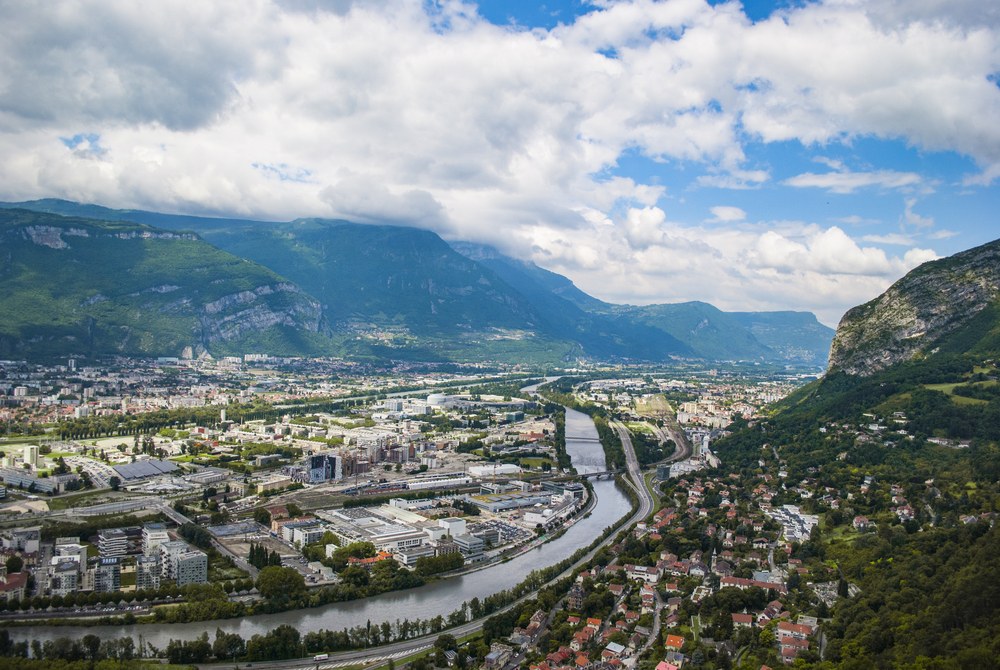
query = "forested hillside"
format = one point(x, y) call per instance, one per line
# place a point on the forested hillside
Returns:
point(909, 459)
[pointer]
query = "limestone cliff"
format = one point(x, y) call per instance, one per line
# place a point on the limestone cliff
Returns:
point(917, 313)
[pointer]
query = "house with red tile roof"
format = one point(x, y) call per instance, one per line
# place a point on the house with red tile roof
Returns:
point(675, 642)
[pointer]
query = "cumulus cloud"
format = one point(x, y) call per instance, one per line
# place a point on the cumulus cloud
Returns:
point(424, 113)
point(363, 198)
point(769, 265)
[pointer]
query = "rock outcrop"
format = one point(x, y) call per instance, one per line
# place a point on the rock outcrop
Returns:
point(931, 302)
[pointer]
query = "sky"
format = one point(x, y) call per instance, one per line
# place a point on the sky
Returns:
point(783, 155)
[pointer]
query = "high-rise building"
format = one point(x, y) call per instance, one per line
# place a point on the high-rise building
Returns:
point(147, 572)
point(324, 467)
point(31, 455)
point(178, 561)
point(108, 575)
point(191, 568)
point(153, 535)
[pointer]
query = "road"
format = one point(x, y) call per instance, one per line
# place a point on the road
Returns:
point(682, 445)
point(634, 472)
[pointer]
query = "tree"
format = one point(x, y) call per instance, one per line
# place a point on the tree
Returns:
point(115, 483)
point(92, 644)
point(354, 575)
point(14, 564)
point(843, 589)
point(281, 584)
point(227, 646)
point(282, 642)
point(262, 516)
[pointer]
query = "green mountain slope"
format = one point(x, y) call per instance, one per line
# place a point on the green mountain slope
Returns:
point(654, 332)
point(79, 286)
point(712, 333)
point(407, 285)
point(570, 313)
point(793, 336)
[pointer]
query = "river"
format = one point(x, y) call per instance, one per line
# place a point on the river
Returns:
point(441, 597)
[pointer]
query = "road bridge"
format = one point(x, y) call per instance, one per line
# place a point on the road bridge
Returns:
point(603, 474)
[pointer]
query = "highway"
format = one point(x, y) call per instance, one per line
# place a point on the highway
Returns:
point(634, 472)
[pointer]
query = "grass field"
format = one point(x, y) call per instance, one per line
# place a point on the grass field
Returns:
point(657, 501)
point(76, 500)
point(534, 462)
point(654, 405)
point(949, 390)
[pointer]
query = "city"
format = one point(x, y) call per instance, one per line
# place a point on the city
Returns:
point(357, 488)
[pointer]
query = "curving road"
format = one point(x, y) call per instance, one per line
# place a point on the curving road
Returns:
point(634, 472)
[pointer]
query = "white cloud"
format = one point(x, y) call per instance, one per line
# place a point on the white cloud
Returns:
point(643, 227)
point(844, 181)
point(856, 220)
point(423, 113)
point(727, 214)
point(914, 220)
point(735, 179)
point(776, 265)
point(897, 239)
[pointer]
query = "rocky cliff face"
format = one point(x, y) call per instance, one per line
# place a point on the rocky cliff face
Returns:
point(238, 314)
point(931, 302)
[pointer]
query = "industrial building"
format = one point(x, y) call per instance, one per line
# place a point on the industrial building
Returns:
point(498, 502)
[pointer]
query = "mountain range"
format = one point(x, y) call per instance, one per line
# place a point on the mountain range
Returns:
point(338, 288)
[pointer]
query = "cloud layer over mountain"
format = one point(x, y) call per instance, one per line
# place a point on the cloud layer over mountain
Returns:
point(429, 115)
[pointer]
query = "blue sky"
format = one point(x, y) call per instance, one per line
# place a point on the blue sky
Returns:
point(788, 155)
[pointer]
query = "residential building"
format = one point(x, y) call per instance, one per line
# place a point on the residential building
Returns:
point(23, 539)
point(108, 575)
point(178, 561)
point(64, 577)
point(119, 541)
point(13, 586)
point(147, 572)
point(153, 535)
point(191, 567)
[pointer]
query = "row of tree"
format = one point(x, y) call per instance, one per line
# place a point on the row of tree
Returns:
point(260, 557)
